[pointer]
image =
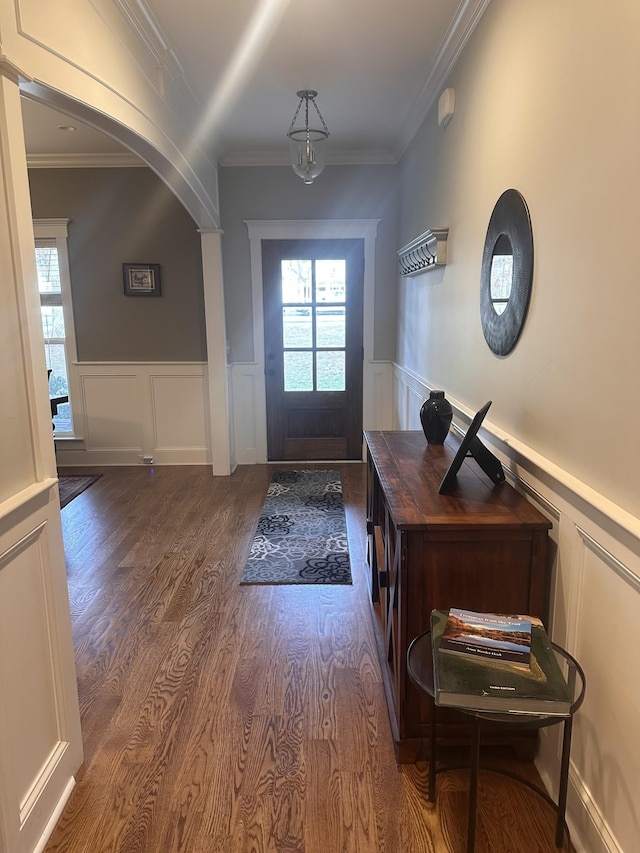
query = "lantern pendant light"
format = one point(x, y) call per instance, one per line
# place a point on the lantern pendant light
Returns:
point(308, 144)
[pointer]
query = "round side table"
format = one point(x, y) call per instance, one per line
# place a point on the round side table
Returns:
point(420, 670)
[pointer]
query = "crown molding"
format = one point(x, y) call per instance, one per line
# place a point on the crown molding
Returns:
point(143, 22)
point(469, 14)
point(83, 161)
point(334, 158)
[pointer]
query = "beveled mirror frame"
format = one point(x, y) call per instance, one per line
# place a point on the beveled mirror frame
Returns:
point(510, 217)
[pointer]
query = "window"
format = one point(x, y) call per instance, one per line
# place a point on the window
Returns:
point(57, 322)
point(314, 294)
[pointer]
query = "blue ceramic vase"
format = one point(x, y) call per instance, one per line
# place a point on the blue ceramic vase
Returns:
point(436, 416)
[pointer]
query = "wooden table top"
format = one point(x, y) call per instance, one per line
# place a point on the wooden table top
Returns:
point(410, 472)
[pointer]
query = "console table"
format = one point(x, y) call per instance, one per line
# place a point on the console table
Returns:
point(480, 547)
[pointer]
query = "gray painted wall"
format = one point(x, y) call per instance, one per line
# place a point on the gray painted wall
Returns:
point(341, 192)
point(126, 216)
point(528, 120)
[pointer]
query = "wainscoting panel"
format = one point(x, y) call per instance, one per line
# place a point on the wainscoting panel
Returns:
point(409, 393)
point(179, 413)
point(40, 739)
point(132, 412)
point(249, 417)
point(607, 756)
point(414, 404)
point(28, 675)
point(380, 375)
point(129, 411)
point(594, 606)
point(247, 393)
point(378, 403)
point(113, 415)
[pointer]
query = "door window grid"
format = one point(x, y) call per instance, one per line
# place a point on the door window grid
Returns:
point(314, 324)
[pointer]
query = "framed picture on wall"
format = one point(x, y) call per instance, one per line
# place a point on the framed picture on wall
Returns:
point(141, 279)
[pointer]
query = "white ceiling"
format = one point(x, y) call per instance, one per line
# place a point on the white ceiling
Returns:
point(377, 66)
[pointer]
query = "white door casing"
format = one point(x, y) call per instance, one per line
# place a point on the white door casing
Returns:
point(309, 229)
point(40, 738)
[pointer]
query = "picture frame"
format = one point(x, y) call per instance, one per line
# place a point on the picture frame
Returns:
point(141, 279)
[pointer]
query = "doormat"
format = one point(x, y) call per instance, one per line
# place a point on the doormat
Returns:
point(71, 485)
point(302, 533)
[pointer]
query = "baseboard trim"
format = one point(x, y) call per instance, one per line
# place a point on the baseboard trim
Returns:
point(55, 816)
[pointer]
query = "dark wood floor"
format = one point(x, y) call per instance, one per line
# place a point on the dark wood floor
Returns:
point(237, 719)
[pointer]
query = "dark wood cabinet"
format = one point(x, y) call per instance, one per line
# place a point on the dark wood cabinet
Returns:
point(480, 547)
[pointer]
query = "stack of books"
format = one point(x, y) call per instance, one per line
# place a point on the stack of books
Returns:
point(493, 662)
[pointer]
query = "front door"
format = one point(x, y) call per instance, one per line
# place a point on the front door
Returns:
point(313, 314)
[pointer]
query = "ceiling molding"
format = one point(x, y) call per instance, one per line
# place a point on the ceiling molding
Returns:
point(143, 22)
point(334, 158)
point(83, 161)
point(140, 20)
point(469, 14)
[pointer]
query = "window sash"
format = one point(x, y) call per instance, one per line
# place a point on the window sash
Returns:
point(52, 234)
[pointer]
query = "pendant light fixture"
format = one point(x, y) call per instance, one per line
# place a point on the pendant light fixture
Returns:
point(307, 144)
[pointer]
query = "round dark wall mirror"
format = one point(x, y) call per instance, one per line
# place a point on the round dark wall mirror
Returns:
point(507, 272)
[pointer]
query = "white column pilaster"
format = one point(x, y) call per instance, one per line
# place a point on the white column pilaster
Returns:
point(216, 351)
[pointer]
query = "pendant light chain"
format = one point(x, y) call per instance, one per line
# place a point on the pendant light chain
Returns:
point(320, 116)
point(306, 96)
point(307, 144)
point(293, 120)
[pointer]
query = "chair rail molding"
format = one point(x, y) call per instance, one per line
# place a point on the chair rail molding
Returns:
point(596, 580)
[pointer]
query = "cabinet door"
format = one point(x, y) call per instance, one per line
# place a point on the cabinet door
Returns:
point(393, 639)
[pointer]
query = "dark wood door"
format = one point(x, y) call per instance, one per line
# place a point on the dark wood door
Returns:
point(313, 310)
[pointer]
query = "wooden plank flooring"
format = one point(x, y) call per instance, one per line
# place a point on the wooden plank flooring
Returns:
point(237, 719)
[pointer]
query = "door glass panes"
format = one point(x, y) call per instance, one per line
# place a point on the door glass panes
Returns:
point(297, 327)
point(330, 370)
point(314, 315)
point(331, 281)
point(330, 326)
point(298, 370)
point(296, 281)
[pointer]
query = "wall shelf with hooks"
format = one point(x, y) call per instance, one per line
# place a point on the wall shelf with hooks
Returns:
point(426, 252)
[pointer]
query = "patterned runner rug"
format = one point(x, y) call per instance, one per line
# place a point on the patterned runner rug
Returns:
point(71, 485)
point(302, 534)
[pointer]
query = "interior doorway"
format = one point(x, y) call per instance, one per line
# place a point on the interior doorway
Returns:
point(313, 334)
